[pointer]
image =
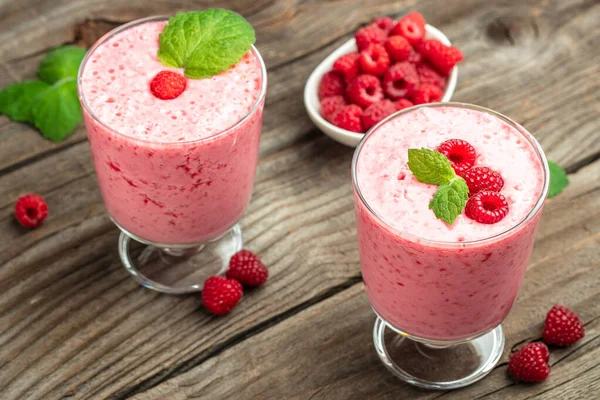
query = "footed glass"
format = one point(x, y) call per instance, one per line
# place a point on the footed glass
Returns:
point(439, 305)
point(177, 201)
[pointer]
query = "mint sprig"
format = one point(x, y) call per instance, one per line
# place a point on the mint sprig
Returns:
point(205, 43)
point(558, 179)
point(16, 100)
point(50, 103)
point(450, 199)
point(56, 111)
point(431, 166)
point(60, 63)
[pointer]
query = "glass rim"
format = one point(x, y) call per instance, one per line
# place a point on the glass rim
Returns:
point(530, 138)
point(135, 22)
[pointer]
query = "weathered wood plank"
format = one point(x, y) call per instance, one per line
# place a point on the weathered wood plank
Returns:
point(509, 67)
point(331, 355)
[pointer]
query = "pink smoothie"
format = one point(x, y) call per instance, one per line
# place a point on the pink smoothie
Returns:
point(422, 276)
point(175, 171)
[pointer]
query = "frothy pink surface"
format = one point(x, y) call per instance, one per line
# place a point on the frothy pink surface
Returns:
point(167, 171)
point(392, 191)
point(452, 290)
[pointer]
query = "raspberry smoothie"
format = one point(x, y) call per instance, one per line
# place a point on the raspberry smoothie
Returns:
point(422, 276)
point(171, 172)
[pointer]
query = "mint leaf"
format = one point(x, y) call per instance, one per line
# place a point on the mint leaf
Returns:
point(450, 199)
point(62, 62)
point(430, 166)
point(558, 179)
point(16, 100)
point(205, 43)
point(56, 111)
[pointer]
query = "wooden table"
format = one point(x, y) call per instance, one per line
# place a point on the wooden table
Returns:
point(75, 325)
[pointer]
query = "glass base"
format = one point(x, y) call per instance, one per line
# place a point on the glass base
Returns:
point(437, 367)
point(178, 270)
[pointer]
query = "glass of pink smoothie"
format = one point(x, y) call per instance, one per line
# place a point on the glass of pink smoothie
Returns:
point(440, 292)
point(176, 175)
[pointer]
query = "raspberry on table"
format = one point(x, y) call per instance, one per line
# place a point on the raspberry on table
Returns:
point(374, 60)
point(562, 327)
point(349, 118)
point(460, 153)
point(386, 24)
point(443, 57)
point(530, 364)
point(332, 84)
point(401, 104)
point(400, 80)
point(398, 48)
point(483, 178)
point(246, 268)
point(427, 74)
point(411, 26)
point(348, 66)
point(168, 85)
point(369, 35)
point(427, 93)
point(220, 295)
point(31, 210)
point(364, 90)
point(486, 207)
point(331, 105)
point(376, 112)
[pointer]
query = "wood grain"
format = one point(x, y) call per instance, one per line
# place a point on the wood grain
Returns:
point(73, 324)
point(334, 337)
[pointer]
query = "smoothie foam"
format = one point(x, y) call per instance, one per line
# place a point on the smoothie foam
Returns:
point(422, 275)
point(175, 171)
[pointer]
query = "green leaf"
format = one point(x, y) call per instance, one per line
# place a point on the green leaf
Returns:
point(450, 199)
point(56, 112)
point(62, 62)
point(16, 100)
point(430, 166)
point(205, 43)
point(558, 179)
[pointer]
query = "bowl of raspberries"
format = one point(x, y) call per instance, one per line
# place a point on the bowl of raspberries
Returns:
point(388, 66)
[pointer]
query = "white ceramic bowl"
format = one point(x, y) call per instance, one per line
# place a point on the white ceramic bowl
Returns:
point(311, 98)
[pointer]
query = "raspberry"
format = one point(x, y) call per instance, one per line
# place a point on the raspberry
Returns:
point(415, 57)
point(246, 268)
point(167, 85)
point(460, 153)
point(369, 35)
point(348, 118)
point(429, 75)
point(530, 364)
point(374, 60)
point(486, 207)
point(427, 93)
point(401, 104)
point(400, 80)
point(347, 65)
point(562, 327)
point(398, 48)
point(331, 105)
point(386, 24)
point(376, 112)
point(483, 178)
point(411, 26)
point(364, 90)
point(220, 295)
point(332, 84)
point(31, 210)
point(443, 57)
